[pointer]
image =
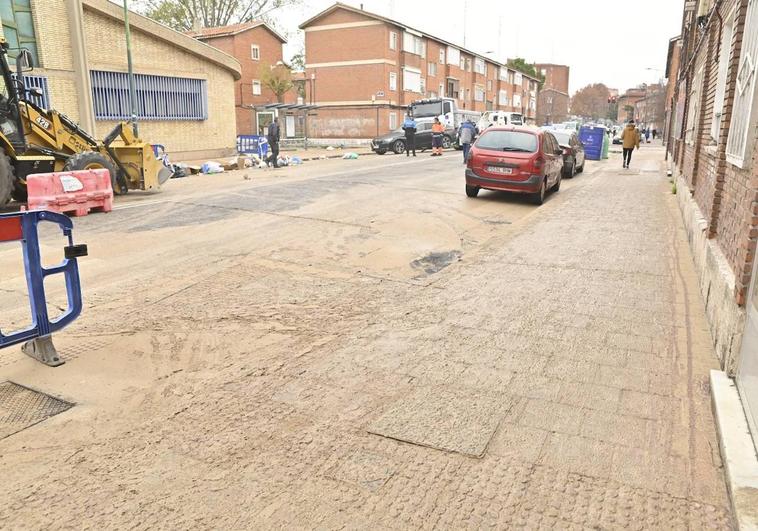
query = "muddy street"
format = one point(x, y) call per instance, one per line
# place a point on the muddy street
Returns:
point(358, 344)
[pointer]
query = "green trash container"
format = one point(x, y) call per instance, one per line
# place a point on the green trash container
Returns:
point(606, 146)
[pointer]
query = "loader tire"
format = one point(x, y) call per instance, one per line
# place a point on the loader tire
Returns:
point(91, 160)
point(6, 179)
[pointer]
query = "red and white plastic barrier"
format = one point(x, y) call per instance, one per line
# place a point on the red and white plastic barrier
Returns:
point(75, 193)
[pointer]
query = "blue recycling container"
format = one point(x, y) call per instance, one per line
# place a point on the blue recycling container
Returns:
point(252, 145)
point(592, 136)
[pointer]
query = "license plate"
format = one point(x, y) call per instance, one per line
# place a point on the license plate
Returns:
point(500, 169)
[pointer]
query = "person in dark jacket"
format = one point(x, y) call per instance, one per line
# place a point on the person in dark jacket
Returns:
point(466, 135)
point(409, 126)
point(273, 141)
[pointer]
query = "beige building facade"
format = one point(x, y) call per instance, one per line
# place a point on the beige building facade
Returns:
point(185, 89)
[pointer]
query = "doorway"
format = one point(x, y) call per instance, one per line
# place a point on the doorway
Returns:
point(264, 119)
point(747, 374)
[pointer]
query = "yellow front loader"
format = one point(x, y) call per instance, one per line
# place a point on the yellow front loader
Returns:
point(36, 140)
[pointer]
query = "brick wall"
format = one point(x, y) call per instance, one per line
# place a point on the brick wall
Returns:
point(724, 197)
point(556, 76)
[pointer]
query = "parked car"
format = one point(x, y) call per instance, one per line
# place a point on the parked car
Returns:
point(395, 140)
point(515, 159)
point(573, 152)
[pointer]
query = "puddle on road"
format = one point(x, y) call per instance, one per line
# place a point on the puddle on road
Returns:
point(435, 262)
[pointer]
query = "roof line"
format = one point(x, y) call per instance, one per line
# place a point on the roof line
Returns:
point(168, 35)
point(340, 5)
point(198, 34)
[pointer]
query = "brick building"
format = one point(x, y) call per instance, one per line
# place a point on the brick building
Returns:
point(256, 46)
point(552, 106)
point(712, 149)
point(363, 85)
point(627, 103)
point(185, 88)
point(556, 76)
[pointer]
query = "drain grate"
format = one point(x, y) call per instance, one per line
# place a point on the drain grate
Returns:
point(21, 407)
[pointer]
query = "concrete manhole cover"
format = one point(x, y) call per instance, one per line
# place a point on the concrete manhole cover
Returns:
point(21, 407)
point(460, 422)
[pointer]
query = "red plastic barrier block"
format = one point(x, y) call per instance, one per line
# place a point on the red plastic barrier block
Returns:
point(10, 229)
point(75, 193)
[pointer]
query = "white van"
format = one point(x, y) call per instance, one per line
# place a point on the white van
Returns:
point(491, 118)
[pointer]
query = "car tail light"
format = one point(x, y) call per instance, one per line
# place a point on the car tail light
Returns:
point(539, 162)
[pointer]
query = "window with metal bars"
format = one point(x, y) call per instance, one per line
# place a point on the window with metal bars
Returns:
point(158, 97)
point(39, 82)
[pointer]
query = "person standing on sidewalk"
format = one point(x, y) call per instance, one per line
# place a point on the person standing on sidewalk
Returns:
point(466, 134)
point(409, 126)
point(437, 130)
point(273, 141)
point(630, 138)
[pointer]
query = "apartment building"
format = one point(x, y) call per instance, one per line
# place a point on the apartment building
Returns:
point(556, 76)
point(363, 70)
point(552, 106)
point(627, 103)
point(712, 136)
point(185, 89)
point(257, 46)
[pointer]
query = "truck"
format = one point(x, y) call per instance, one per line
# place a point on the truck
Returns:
point(495, 118)
point(446, 109)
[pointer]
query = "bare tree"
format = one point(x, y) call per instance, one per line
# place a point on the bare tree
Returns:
point(591, 101)
point(185, 15)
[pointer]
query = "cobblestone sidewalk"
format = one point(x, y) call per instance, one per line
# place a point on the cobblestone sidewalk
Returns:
point(557, 378)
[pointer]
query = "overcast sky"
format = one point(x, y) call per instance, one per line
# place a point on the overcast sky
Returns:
point(613, 42)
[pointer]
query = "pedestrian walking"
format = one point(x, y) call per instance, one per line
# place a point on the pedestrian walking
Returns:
point(655, 133)
point(647, 135)
point(630, 138)
point(409, 126)
point(437, 131)
point(273, 141)
point(466, 134)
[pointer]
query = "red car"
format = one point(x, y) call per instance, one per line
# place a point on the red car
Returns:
point(515, 159)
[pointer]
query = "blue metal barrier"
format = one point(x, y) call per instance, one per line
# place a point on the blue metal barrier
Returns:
point(22, 227)
point(252, 145)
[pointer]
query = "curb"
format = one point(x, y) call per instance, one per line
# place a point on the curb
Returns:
point(737, 451)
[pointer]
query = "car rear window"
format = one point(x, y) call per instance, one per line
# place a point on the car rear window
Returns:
point(508, 141)
point(563, 138)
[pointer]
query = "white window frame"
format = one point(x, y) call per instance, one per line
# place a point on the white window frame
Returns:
point(503, 74)
point(453, 55)
point(432, 69)
point(479, 93)
point(743, 122)
point(393, 40)
point(516, 101)
point(255, 52)
point(489, 85)
point(479, 66)
point(393, 121)
point(518, 79)
point(502, 97)
point(393, 81)
point(414, 44)
point(409, 85)
point(257, 83)
point(422, 84)
point(724, 55)
point(442, 90)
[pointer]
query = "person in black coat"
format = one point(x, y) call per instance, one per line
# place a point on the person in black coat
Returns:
point(273, 141)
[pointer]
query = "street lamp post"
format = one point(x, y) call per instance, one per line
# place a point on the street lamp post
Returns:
point(132, 86)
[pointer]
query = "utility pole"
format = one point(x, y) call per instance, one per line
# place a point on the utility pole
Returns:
point(132, 86)
point(465, 17)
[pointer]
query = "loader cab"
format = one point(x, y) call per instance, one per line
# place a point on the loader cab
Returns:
point(11, 126)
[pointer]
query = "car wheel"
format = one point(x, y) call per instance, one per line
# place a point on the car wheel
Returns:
point(398, 147)
point(580, 169)
point(472, 191)
point(446, 142)
point(539, 197)
point(572, 170)
point(381, 151)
